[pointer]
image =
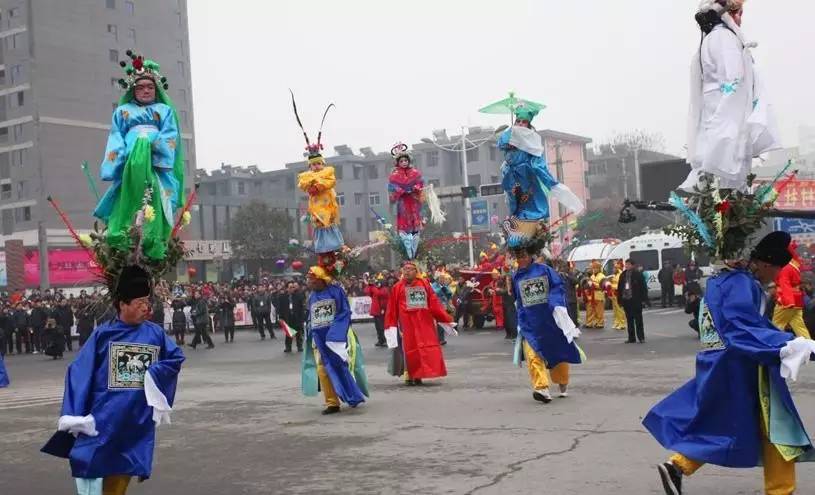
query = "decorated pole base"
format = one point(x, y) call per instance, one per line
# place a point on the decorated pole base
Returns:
point(327, 239)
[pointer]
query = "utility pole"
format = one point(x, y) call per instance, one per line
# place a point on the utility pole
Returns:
point(42, 238)
point(467, 206)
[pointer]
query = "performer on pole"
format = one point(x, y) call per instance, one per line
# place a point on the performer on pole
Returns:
point(730, 119)
point(410, 328)
point(118, 389)
point(546, 332)
point(738, 411)
point(333, 356)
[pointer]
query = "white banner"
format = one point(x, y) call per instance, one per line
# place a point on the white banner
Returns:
point(360, 308)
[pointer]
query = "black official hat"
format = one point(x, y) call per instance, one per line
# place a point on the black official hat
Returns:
point(134, 282)
point(773, 249)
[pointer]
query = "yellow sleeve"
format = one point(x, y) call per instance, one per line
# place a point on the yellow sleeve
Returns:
point(304, 180)
point(324, 179)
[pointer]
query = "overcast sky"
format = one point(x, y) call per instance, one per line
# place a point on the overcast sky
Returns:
point(396, 70)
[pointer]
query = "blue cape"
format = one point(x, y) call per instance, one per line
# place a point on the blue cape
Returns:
point(106, 380)
point(4, 380)
point(715, 417)
point(538, 289)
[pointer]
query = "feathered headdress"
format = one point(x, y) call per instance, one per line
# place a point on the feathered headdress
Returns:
point(139, 68)
point(314, 149)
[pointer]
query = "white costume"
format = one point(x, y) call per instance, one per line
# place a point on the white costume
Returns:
point(730, 120)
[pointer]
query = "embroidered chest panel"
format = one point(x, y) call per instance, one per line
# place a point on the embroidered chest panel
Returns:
point(128, 364)
point(416, 297)
point(708, 335)
point(323, 313)
point(534, 291)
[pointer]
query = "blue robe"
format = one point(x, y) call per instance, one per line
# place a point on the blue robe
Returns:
point(526, 181)
point(715, 418)
point(4, 381)
point(329, 320)
point(538, 289)
point(131, 120)
point(106, 381)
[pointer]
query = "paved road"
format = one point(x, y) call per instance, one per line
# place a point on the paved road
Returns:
point(242, 427)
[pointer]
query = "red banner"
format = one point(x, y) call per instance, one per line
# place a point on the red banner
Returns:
point(66, 267)
point(798, 195)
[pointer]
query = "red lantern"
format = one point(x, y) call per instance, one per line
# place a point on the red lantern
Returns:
point(297, 265)
point(191, 271)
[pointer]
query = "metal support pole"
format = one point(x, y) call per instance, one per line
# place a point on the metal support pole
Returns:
point(467, 206)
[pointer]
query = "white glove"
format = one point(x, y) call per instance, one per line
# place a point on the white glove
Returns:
point(78, 424)
point(391, 338)
point(565, 323)
point(449, 329)
point(340, 349)
point(794, 355)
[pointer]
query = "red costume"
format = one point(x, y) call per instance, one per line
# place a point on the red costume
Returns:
point(379, 299)
point(788, 285)
point(415, 308)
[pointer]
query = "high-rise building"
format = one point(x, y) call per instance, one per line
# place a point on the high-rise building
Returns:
point(58, 87)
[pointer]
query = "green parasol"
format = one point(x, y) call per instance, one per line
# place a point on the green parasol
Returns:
point(511, 105)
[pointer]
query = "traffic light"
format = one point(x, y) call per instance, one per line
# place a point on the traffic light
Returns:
point(491, 190)
point(469, 192)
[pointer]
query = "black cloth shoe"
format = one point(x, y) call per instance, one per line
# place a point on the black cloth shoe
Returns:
point(418, 382)
point(630, 341)
point(211, 346)
point(541, 398)
point(299, 349)
point(287, 350)
point(380, 344)
point(671, 478)
point(331, 410)
point(191, 346)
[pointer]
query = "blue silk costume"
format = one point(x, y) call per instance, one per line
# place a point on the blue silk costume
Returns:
point(4, 381)
point(715, 417)
point(538, 290)
point(526, 181)
point(131, 121)
point(106, 380)
point(329, 321)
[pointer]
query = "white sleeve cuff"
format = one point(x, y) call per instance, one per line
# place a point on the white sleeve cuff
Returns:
point(567, 198)
point(157, 400)
point(795, 355)
point(449, 329)
point(78, 424)
point(340, 349)
point(391, 338)
point(565, 323)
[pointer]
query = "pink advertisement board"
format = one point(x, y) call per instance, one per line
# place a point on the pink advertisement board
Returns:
point(66, 267)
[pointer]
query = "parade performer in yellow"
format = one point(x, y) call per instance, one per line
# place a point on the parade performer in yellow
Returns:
point(619, 314)
point(318, 182)
point(596, 305)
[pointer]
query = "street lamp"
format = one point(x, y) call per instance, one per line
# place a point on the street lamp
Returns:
point(463, 146)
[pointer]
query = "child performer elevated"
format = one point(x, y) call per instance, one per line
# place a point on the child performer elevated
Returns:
point(118, 389)
point(546, 332)
point(410, 328)
point(333, 355)
point(738, 411)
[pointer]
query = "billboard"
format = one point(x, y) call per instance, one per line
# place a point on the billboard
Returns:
point(480, 215)
point(66, 267)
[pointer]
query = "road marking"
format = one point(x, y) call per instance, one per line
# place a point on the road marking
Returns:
point(18, 399)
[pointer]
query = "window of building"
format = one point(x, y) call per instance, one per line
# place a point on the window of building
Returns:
point(21, 98)
point(210, 188)
point(343, 226)
point(22, 189)
point(15, 72)
point(290, 182)
point(436, 183)
point(8, 222)
point(341, 199)
point(374, 199)
point(131, 34)
point(223, 189)
point(358, 198)
point(241, 188)
point(494, 179)
point(22, 214)
point(130, 8)
point(112, 29)
point(5, 191)
point(5, 170)
point(111, 4)
point(475, 180)
point(372, 224)
point(184, 117)
point(359, 224)
point(258, 187)
point(493, 153)
point(16, 41)
point(180, 19)
point(2, 76)
point(4, 137)
point(18, 132)
point(182, 95)
point(433, 159)
point(180, 45)
point(373, 172)
point(338, 172)
point(356, 172)
point(15, 12)
point(114, 82)
point(17, 157)
point(113, 55)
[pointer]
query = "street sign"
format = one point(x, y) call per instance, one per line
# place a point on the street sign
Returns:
point(480, 216)
point(469, 192)
point(795, 225)
point(492, 190)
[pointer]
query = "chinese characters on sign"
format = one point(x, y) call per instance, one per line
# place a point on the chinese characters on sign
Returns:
point(207, 250)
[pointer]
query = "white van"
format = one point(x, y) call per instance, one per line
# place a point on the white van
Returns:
point(595, 249)
point(651, 250)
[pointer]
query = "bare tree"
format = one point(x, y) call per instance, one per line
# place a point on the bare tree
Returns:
point(638, 139)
